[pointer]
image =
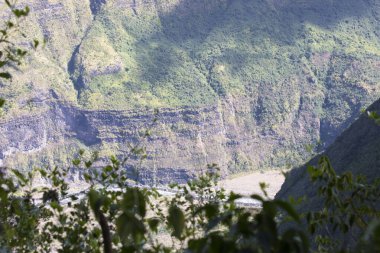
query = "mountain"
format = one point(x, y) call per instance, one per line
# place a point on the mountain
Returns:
point(247, 84)
point(356, 150)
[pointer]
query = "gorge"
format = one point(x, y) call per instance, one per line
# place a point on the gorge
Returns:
point(248, 85)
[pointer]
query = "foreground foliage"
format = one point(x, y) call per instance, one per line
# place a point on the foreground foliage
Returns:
point(11, 53)
point(115, 216)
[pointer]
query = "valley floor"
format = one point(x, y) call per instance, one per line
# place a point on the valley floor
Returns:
point(245, 185)
point(250, 183)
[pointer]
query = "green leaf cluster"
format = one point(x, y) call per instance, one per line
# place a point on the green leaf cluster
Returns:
point(117, 216)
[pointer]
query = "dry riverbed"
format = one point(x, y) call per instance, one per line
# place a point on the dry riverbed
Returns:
point(245, 185)
point(250, 183)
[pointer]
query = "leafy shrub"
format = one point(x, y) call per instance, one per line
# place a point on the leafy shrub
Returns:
point(11, 55)
point(199, 217)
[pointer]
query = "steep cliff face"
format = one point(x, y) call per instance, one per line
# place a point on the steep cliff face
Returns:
point(183, 140)
point(194, 137)
point(245, 84)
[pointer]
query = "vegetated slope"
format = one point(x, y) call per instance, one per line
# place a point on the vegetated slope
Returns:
point(43, 77)
point(281, 56)
point(356, 150)
point(249, 83)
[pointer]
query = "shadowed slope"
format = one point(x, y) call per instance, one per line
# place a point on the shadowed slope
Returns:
point(356, 150)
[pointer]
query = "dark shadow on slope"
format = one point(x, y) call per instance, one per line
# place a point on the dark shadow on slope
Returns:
point(79, 124)
point(197, 18)
point(355, 150)
point(96, 5)
point(282, 22)
point(77, 79)
point(71, 66)
point(192, 20)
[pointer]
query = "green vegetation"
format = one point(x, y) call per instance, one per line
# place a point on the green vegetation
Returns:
point(117, 217)
point(350, 204)
point(273, 61)
point(167, 55)
point(11, 55)
point(239, 164)
point(285, 74)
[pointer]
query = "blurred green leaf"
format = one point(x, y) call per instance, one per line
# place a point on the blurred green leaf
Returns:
point(5, 75)
point(176, 221)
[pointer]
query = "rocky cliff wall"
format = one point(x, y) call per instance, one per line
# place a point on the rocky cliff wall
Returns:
point(244, 84)
point(183, 141)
